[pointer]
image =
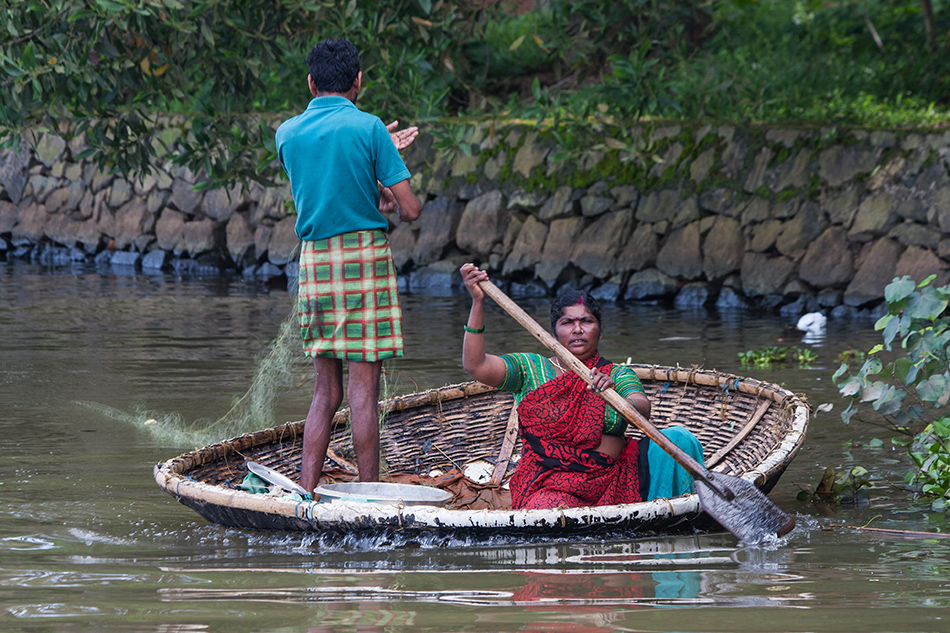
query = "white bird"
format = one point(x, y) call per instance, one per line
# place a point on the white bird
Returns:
point(813, 323)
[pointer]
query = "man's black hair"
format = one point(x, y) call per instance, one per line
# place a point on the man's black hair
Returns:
point(570, 298)
point(334, 65)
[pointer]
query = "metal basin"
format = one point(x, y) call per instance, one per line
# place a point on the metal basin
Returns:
point(369, 492)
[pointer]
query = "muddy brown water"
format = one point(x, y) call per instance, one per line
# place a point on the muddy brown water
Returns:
point(89, 542)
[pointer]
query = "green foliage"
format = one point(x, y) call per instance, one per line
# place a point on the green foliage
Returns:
point(516, 46)
point(810, 60)
point(907, 384)
point(932, 460)
point(117, 69)
point(120, 71)
point(733, 60)
point(852, 356)
point(766, 357)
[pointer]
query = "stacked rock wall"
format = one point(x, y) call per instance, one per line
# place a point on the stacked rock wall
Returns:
point(792, 219)
point(56, 209)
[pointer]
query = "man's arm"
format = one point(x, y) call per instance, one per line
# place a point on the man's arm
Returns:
point(399, 197)
point(408, 206)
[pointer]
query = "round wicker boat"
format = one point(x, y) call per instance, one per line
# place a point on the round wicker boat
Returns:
point(748, 428)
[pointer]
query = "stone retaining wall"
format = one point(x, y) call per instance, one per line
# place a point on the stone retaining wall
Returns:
point(791, 219)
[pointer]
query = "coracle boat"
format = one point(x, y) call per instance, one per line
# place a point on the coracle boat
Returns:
point(749, 429)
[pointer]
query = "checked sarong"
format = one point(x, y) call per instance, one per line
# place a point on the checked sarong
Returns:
point(561, 426)
point(347, 300)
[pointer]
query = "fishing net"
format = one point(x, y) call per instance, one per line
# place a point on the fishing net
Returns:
point(281, 367)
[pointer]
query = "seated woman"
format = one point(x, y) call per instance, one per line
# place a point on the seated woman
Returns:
point(574, 449)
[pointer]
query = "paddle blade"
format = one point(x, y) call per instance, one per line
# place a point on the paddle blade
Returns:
point(749, 515)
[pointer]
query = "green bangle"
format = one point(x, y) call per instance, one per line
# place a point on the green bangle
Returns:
point(473, 330)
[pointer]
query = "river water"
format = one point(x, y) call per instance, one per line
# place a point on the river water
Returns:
point(89, 542)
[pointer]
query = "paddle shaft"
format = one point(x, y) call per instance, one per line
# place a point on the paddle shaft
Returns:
point(614, 399)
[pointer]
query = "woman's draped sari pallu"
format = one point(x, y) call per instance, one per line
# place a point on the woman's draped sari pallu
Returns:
point(561, 426)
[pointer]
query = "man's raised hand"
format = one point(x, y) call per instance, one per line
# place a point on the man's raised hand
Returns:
point(402, 138)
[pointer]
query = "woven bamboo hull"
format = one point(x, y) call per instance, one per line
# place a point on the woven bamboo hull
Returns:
point(748, 429)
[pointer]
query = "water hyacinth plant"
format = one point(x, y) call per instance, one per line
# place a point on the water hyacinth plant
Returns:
point(906, 381)
point(767, 357)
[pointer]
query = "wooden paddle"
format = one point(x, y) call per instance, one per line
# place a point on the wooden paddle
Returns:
point(735, 503)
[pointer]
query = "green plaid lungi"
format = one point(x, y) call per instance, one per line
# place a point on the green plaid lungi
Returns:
point(347, 301)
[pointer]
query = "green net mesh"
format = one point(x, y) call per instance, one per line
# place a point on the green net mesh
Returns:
point(283, 366)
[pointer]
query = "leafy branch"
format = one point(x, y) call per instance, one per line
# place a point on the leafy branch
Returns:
point(908, 387)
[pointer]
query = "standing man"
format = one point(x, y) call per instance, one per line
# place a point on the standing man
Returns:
point(345, 171)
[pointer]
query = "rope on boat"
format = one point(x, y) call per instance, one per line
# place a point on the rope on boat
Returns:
point(670, 504)
point(669, 381)
point(735, 385)
point(446, 455)
point(724, 407)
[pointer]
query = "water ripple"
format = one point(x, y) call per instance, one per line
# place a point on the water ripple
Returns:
point(25, 543)
point(60, 610)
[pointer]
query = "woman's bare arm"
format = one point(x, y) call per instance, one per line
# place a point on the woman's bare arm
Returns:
point(485, 368)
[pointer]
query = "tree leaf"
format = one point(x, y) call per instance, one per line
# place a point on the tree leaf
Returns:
point(28, 58)
point(841, 370)
point(945, 397)
point(873, 391)
point(206, 34)
point(889, 402)
point(929, 304)
point(872, 366)
point(850, 388)
point(899, 289)
point(933, 388)
point(901, 367)
point(890, 331)
point(848, 413)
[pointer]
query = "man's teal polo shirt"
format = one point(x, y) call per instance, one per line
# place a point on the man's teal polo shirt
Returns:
point(333, 154)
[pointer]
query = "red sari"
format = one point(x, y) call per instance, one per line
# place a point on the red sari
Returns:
point(561, 425)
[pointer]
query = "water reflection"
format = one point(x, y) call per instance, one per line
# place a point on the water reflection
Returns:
point(593, 587)
point(88, 541)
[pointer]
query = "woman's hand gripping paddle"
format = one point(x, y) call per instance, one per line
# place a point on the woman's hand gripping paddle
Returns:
point(735, 503)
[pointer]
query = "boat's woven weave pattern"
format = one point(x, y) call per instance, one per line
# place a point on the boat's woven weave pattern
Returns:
point(448, 427)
